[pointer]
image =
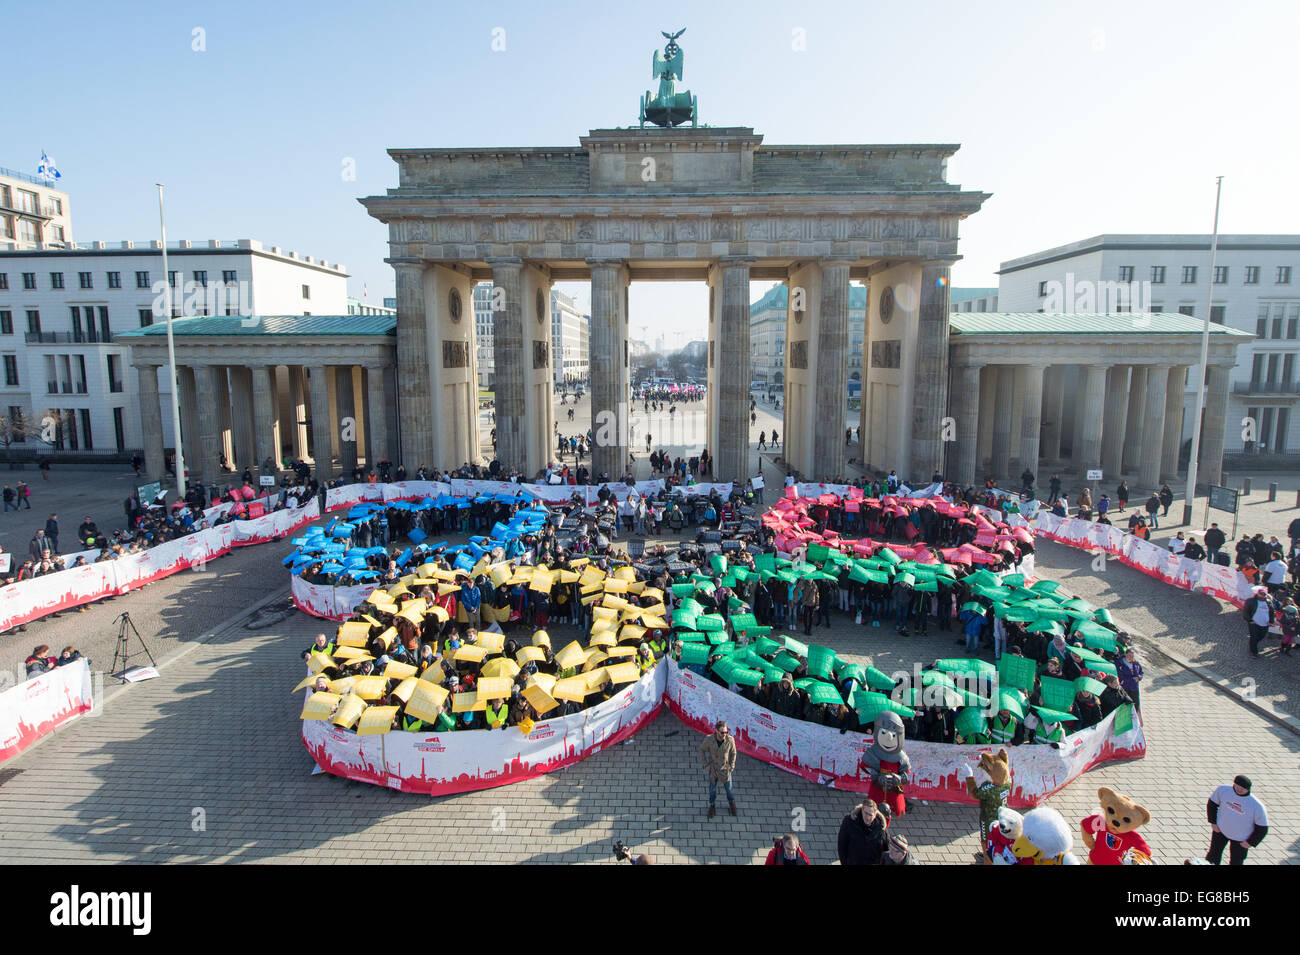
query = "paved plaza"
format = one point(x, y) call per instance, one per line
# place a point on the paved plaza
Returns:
point(206, 763)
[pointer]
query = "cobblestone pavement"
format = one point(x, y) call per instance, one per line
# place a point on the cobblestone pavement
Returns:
point(218, 732)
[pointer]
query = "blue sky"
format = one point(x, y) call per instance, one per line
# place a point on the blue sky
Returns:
point(1079, 118)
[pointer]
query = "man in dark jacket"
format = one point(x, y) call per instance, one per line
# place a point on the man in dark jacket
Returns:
point(862, 839)
point(1258, 614)
point(52, 531)
point(1214, 541)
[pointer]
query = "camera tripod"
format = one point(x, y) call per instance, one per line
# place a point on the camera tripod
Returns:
point(124, 653)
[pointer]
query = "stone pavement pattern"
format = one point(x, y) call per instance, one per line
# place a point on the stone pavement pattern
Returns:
point(219, 732)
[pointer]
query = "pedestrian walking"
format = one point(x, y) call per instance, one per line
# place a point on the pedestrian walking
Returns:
point(52, 531)
point(1153, 510)
point(1238, 821)
point(1121, 495)
point(718, 752)
point(24, 495)
point(862, 837)
point(1258, 614)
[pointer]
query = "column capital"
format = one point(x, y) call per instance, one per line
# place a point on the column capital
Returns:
point(836, 263)
point(506, 262)
point(733, 261)
point(408, 264)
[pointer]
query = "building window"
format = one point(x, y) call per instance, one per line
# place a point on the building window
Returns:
point(1288, 369)
point(1126, 273)
point(1157, 275)
point(29, 201)
point(230, 277)
point(119, 429)
point(306, 291)
point(4, 281)
point(76, 323)
point(33, 321)
point(85, 429)
point(56, 280)
point(58, 233)
point(171, 278)
point(201, 278)
point(1277, 324)
point(7, 226)
point(28, 232)
point(11, 371)
point(1187, 310)
point(1217, 313)
point(29, 281)
point(87, 280)
point(142, 280)
point(1293, 319)
point(1256, 376)
point(1220, 275)
point(1252, 275)
point(1189, 275)
point(105, 330)
point(114, 279)
point(114, 373)
point(1284, 275)
point(6, 197)
point(146, 317)
point(6, 323)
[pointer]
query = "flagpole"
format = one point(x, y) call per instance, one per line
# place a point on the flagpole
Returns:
point(1190, 493)
point(171, 355)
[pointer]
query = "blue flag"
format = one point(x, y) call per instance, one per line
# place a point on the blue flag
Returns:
point(47, 170)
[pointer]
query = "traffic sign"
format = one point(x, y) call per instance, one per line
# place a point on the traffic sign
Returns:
point(1094, 475)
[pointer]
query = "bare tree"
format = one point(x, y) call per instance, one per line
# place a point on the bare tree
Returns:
point(19, 429)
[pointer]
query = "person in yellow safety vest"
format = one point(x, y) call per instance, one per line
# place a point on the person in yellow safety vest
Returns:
point(496, 713)
point(645, 658)
point(658, 646)
point(1004, 728)
point(322, 644)
point(1044, 732)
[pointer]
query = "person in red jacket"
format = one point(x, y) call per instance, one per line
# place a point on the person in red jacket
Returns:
point(787, 851)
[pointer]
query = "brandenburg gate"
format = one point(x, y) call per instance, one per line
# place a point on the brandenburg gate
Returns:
point(712, 204)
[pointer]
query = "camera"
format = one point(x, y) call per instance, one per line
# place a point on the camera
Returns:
point(621, 852)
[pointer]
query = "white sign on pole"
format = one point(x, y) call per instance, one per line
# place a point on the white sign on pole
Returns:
point(1094, 475)
point(266, 480)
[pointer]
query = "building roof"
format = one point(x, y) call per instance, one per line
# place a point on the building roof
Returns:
point(1117, 242)
point(225, 326)
point(1082, 323)
point(966, 294)
point(776, 297)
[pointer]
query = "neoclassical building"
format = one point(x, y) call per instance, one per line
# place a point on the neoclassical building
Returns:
point(965, 394)
point(709, 204)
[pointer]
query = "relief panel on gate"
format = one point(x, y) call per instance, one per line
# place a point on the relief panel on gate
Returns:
point(799, 354)
point(455, 354)
point(540, 354)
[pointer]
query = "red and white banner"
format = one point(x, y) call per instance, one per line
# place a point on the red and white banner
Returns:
point(823, 755)
point(42, 704)
point(1226, 583)
point(29, 600)
point(327, 600)
point(440, 763)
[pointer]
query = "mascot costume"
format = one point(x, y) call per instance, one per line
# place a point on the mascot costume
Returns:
point(886, 764)
point(1111, 833)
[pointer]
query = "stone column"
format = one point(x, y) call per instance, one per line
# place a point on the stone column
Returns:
point(832, 369)
point(1094, 405)
point(1112, 445)
point(930, 381)
point(1031, 417)
point(1153, 427)
point(242, 426)
point(207, 465)
point(151, 428)
point(376, 417)
point(1137, 389)
point(322, 443)
point(298, 413)
point(508, 355)
point(731, 457)
point(1053, 409)
point(347, 417)
point(187, 382)
point(1214, 425)
point(987, 417)
point(967, 407)
point(1173, 422)
point(1000, 463)
point(413, 375)
point(266, 426)
point(609, 408)
point(225, 438)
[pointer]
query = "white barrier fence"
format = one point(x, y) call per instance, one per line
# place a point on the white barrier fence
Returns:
point(42, 704)
point(29, 600)
point(1227, 583)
